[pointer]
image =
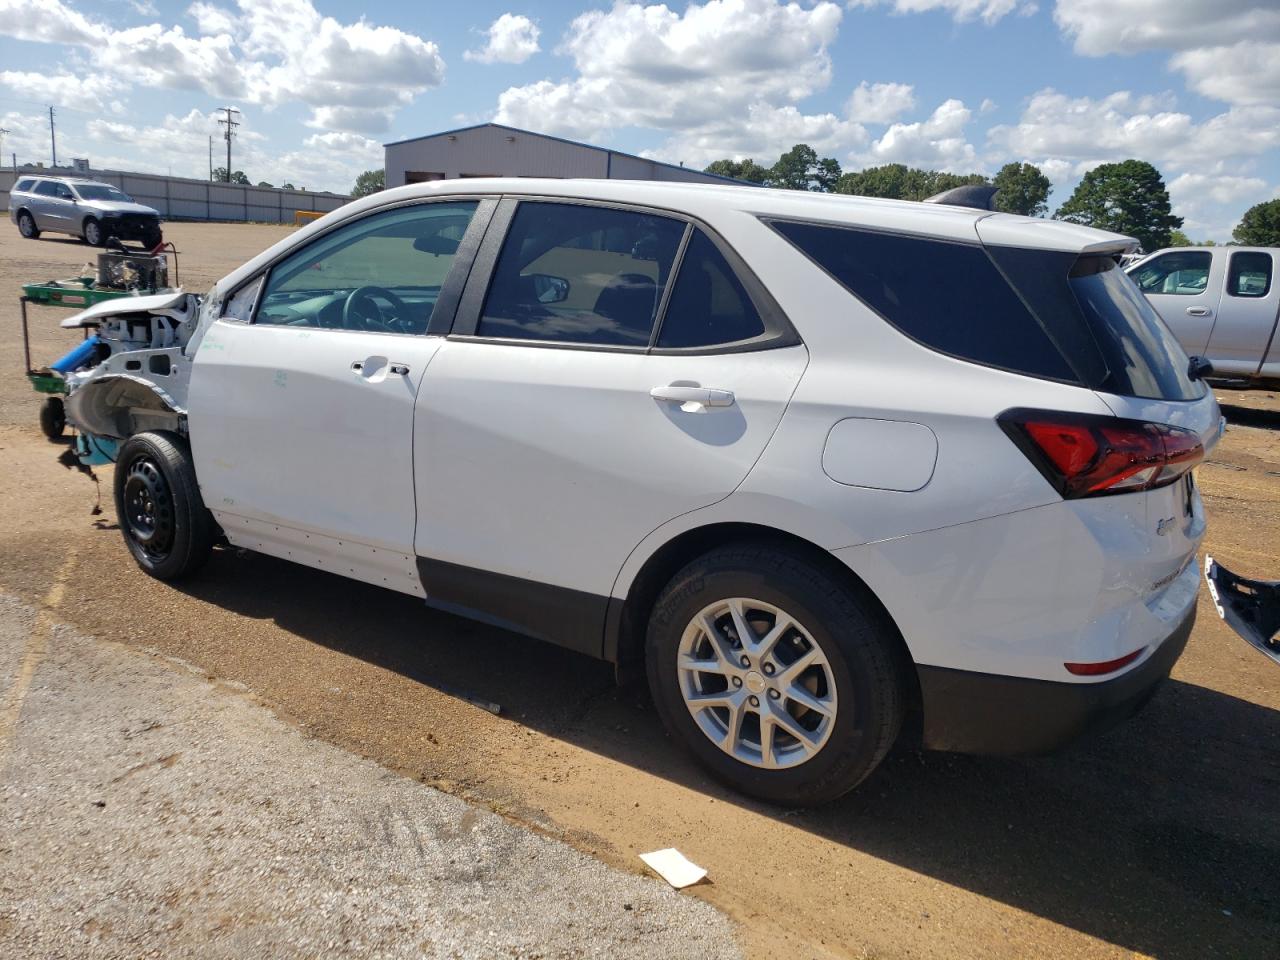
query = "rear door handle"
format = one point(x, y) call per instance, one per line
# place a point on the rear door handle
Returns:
point(1197, 311)
point(703, 396)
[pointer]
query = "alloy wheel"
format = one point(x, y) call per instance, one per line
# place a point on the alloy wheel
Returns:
point(757, 683)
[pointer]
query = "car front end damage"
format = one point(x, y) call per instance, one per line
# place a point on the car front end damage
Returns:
point(132, 373)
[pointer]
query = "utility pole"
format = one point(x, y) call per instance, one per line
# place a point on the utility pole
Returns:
point(230, 132)
point(3, 131)
point(211, 156)
point(53, 137)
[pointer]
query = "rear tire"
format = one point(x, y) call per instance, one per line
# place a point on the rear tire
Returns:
point(845, 705)
point(27, 226)
point(152, 239)
point(161, 513)
point(53, 418)
point(93, 234)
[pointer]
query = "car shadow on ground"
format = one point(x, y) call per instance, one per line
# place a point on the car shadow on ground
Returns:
point(1250, 417)
point(1161, 837)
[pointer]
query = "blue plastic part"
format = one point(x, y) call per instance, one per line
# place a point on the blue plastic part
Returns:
point(76, 357)
point(94, 451)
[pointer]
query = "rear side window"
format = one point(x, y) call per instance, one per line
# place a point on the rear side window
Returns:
point(575, 273)
point(1183, 274)
point(23, 185)
point(1249, 274)
point(948, 296)
point(708, 304)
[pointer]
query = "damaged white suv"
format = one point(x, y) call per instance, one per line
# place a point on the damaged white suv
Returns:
point(812, 462)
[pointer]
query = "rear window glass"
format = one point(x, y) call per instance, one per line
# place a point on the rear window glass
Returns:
point(949, 296)
point(708, 303)
point(1250, 274)
point(1142, 356)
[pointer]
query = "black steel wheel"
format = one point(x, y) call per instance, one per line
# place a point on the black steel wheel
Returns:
point(162, 516)
point(53, 418)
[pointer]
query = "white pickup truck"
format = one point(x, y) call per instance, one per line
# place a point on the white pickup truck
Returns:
point(1222, 303)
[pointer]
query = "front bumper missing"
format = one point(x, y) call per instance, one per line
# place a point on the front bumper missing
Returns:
point(1250, 607)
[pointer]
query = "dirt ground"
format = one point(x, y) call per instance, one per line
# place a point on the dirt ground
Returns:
point(1160, 839)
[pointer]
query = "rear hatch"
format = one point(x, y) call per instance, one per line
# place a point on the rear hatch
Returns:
point(1071, 281)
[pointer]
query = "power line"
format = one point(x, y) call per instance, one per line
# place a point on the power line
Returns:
point(230, 132)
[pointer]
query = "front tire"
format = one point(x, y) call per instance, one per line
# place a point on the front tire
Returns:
point(27, 226)
point(94, 235)
point(161, 513)
point(783, 682)
point(53, 418)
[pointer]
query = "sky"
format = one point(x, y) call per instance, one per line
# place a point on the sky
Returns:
point(1192, 86)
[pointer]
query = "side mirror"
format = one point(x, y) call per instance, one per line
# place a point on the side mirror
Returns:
point(1199, 368)
point(549, 289)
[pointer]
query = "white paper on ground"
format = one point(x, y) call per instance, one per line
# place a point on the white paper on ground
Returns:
point(671, 865)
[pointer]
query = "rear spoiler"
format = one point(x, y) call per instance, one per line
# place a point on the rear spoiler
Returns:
point(1250, 607)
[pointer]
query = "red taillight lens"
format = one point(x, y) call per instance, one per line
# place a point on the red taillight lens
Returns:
point(1100, 669)
point(1084, 455)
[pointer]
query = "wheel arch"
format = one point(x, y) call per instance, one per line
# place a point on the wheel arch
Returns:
point(119, 406)
point(627, 618)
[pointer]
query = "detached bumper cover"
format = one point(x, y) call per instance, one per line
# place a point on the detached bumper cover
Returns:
point(983, 713)
point(1250, 607)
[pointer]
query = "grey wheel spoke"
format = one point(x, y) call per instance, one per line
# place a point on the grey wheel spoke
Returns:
point(725, 685)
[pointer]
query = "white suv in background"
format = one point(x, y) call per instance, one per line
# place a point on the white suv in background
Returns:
point(810, 462)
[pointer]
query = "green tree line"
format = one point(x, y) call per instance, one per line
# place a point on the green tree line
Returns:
point(1128, 197)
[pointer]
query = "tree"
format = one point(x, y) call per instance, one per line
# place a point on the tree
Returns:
point(1127, 197)
point(371, 181)
point(1179, 239)
point(747, 170)
point(1260, 226)
point(287, 186)
point(1023, 189)
point(263, 183)
point(800, 169)
point(220, 176)
point(897, 181)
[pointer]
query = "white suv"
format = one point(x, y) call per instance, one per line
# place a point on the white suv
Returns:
point(813, 463)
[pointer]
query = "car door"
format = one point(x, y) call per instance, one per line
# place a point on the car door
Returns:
point(45, 206)
point(609, 369)
point(1247, 313)
point(302, 392)
point(1184, 286)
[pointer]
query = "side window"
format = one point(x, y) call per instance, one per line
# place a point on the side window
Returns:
point(948, 296)
point(575, 273)
point(1249, 275)
point(22, 185)
point(708, 303)
point(1178, 274)
point(382, 273)
point(47, 188)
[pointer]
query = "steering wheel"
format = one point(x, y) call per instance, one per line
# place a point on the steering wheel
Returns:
point(354, 318)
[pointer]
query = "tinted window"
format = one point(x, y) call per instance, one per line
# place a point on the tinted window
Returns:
point(1249, 275)
point(1179, 274)
point(22, 185)
point(1143, 358)
point(580, 274)
point(948, 296)
point(708, 303)
point(47, 188)
point(397, 260)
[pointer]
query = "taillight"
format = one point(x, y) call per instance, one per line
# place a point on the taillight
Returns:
point(1084, 455)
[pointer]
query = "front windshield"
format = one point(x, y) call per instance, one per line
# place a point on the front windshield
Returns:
point(101, 191)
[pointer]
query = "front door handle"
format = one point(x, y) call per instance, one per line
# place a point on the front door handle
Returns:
point(1197, 311)
point(683, 393)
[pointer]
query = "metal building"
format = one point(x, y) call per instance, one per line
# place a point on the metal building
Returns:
point(494, 150)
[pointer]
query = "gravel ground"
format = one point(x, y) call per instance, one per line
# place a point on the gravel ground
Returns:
point(147, 811)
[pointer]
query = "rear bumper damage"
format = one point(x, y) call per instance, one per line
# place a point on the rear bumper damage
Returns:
point(1250, 607)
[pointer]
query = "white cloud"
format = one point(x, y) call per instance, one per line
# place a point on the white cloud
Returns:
point(938, 142)
point(763, 135)
point(880, 102)
point(1247, 72)
point(989, 11)
point(1101, 27)
point(649, 66)
point(93, 92)
point(511, 39)
point(1212, 205)
point(267, 52)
